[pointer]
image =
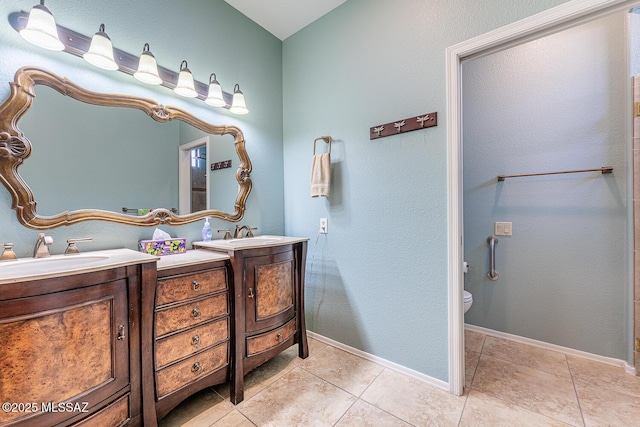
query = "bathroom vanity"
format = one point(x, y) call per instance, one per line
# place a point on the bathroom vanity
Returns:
point(191, 326)
point(118, 337)
point(268, 300)
point(70, 339)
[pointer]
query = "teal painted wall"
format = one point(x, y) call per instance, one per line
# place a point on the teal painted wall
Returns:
point(558, 103)
point(78, 146)
point(378, 280)
point(213, 37)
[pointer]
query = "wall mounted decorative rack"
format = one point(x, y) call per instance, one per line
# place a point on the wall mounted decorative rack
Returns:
point(402, 126)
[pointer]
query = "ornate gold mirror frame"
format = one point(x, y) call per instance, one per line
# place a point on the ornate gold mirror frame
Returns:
point(15, 148)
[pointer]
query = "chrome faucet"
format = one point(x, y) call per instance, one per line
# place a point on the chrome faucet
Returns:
point(238, 233)
point(41, 250)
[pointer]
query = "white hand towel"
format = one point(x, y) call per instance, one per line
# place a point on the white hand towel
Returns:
point(320, 175)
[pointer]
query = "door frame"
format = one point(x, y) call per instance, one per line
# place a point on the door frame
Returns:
point(566, 15)
point(184, 174)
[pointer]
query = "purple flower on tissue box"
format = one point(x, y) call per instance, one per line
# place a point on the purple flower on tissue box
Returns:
point(163, 247)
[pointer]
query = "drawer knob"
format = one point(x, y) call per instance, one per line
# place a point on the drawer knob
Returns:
point(195, 285)
point(195, 313)
point(195, 340)
point(279, 337)
point(196, 368)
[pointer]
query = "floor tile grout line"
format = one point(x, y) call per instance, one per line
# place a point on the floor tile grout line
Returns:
point(522, 407)
point(575, 390)
point(337, 386)
point(376, 406)
point(238, 408)
point(464, 405)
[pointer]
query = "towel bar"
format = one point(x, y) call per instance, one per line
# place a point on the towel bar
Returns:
point(604, 170)
point(326, 139)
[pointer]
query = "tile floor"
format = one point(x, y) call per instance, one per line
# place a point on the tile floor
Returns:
point(507, 384)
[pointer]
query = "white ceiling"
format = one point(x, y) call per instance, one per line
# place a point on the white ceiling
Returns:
point(282, 18)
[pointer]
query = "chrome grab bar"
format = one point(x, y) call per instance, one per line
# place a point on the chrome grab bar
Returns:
point(492, 274)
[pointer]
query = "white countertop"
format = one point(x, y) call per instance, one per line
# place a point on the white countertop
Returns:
point(249, 243)
point(66, 265)
point(191, 257)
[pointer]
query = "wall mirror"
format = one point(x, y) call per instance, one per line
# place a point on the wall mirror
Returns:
point(80, 155)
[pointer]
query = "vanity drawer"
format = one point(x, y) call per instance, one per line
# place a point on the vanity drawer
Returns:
point(183, 373)
point(181, 288)
point(116, 414)
point(259, 343)
point(186, 343)
point(190, 314)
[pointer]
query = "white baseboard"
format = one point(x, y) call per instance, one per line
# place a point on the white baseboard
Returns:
point(547, 346)
point(383, 362)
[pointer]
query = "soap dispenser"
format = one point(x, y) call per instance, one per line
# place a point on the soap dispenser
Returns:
point(206, 231)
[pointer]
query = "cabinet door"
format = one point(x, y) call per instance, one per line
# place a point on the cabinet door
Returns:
point(269, 290)
point(70, 346)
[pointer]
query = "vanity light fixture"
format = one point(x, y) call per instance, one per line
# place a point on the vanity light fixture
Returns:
point(214, 96)
point(100, 51)
point(147, 67)
point(185, 86)
point(41, 28)
point(144, 68)
point(238, 105)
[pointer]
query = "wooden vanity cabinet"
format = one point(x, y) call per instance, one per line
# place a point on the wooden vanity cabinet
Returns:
point(69, 349)
point(191, 331)
point(268, 306)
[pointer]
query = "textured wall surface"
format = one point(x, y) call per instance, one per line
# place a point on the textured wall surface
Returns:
point(213, 37)
point(558, 103)
point(378, 280)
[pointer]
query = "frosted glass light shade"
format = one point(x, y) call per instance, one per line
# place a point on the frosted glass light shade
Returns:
point(100, 51)
point(41, 28)
point(147, 68)
point(214, 97)
point(185, 86)
point(238, 105)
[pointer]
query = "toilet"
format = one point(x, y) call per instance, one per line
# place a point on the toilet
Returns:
point(468, 300)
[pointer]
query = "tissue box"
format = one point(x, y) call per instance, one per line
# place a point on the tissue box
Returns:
point(163, 247)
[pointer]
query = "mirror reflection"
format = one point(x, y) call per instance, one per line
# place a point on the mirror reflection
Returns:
point(94, 156)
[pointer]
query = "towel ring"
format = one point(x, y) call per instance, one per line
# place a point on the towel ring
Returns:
point(326, 139)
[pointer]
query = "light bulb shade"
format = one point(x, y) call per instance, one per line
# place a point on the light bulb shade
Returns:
point(214, 97)
point(238, 105)
point(147, 68)
point(41, 28)
point(185, 86)
point(100, 51)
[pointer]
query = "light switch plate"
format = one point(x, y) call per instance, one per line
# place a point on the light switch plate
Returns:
point(503, 229)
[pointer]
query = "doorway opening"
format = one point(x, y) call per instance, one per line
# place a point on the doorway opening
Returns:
point(193, 176)
point(565, 16)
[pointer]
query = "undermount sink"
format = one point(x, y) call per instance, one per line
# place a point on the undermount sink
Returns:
point(65, 264)
point(261, 240)
point(248, 242)
point(45, 265)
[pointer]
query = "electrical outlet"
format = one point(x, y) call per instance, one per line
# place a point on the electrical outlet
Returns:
point(324, 226)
